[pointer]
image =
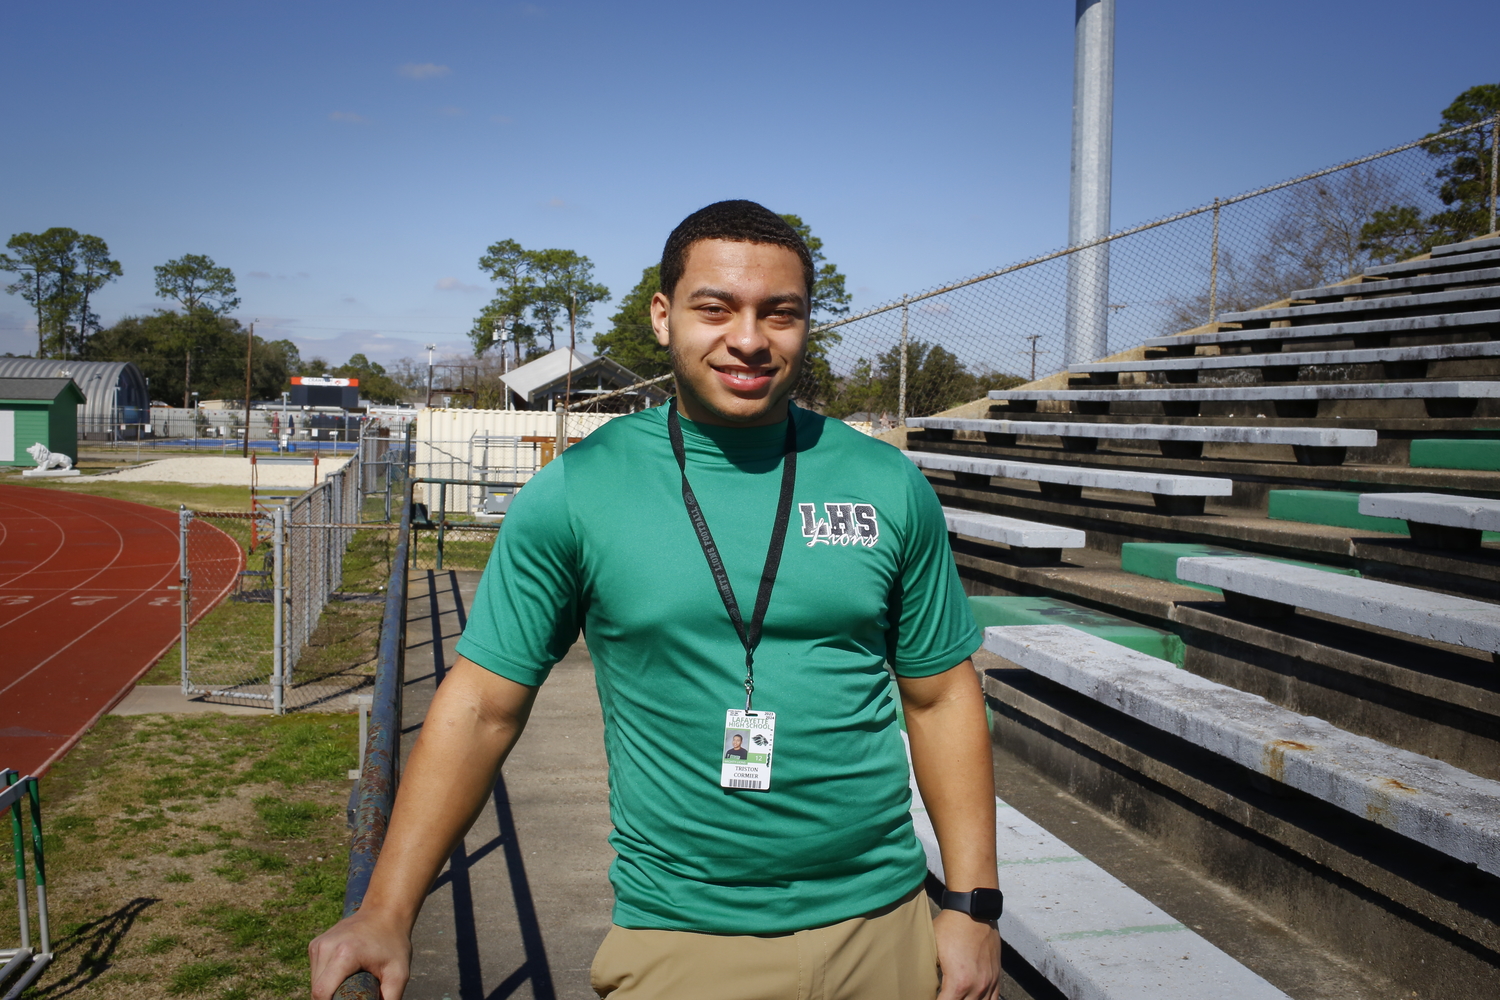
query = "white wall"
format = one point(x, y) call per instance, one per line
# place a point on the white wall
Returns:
point(446, 448)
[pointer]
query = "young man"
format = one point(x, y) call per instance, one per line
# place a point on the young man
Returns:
point(736, 563)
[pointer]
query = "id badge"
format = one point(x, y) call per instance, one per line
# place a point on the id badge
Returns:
point(748, 739)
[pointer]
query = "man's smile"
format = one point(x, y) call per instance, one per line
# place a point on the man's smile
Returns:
point(744, 378)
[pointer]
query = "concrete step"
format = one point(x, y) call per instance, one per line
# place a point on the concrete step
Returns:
point(1172, 434)
point(1467, 246)
point(1440, 398)
point(1277, 364)
point(1445, 262)
point(1392, 286)
point(1478, 322)
point(1457, 300)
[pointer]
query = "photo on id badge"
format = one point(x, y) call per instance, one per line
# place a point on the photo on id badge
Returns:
point(746, 752)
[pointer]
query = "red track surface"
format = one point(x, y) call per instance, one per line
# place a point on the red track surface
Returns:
point(85, 609)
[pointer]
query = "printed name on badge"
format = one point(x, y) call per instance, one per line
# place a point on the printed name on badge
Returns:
point(746, 751)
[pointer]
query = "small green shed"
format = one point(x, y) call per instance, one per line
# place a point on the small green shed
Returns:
point(36, 410)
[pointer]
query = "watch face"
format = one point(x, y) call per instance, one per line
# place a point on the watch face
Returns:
point(986, 904)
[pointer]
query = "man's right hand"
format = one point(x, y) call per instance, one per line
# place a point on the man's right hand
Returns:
point(360, 942)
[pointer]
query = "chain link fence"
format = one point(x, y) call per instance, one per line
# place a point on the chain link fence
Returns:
point(245, 637)
point(936, 349)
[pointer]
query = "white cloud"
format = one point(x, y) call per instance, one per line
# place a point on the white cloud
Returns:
point(422, 71)
point(556, 203)
point(451, 112)
point(454, 285)
point(345, 116)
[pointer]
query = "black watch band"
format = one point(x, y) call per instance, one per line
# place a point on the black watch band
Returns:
point(981, 904)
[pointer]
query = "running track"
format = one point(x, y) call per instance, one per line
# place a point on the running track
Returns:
point(87, 605)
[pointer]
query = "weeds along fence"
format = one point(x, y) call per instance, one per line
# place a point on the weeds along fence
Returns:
point(281, 564)
point(931, 350)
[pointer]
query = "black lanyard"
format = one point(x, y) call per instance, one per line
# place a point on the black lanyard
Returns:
point(749, 637)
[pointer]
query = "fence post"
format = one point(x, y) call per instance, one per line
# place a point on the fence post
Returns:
point(1213, 271)
point(901, 393)
point(442, 522)
point(34, 793)
point(19, 836)
point(184, 591)
point(278, 594)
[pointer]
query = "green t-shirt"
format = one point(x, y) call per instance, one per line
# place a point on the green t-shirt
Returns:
point(600, 540)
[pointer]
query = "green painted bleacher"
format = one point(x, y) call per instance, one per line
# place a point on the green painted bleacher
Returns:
point(990, 611)
point(1481, 454)
point(1337, 508)
point(1158, 560)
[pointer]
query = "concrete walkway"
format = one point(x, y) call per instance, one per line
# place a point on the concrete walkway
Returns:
point(523, 904)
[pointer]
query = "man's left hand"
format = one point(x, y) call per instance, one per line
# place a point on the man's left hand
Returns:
point(968, 955)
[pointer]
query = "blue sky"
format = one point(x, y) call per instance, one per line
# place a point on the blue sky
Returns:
point(351, 161)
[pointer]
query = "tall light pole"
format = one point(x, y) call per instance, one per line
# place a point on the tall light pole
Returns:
point(1087, 330)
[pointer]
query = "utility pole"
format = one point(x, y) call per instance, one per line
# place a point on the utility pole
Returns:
point(249, 350)
point(1087, 330)
point(562, 413)
point(430, 349)
point(1034, 352)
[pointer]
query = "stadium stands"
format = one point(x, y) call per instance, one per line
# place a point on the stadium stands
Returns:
point(1324, 742)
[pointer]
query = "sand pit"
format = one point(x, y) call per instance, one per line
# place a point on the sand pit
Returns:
point(217, 470)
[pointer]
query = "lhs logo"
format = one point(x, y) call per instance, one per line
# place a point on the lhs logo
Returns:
point(845, 524)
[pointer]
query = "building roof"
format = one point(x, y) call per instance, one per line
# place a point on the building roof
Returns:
point(96, 380)
point(38, 389)
point(550, 371)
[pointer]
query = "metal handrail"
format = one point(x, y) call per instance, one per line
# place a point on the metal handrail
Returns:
point(381, 771)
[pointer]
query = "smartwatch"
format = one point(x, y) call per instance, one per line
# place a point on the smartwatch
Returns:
point(981, 904)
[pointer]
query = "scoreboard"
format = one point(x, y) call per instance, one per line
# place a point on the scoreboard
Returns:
point(312, 390)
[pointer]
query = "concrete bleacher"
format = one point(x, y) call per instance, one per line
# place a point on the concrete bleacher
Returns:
point(1177, 494)
point(1441, 806)
point(1283, 366)
point(1323, 741)
point(1029, 540)
point(1174, 440)
point(1435, 519)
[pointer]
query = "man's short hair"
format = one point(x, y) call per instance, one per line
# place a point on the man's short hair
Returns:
point(737, 221)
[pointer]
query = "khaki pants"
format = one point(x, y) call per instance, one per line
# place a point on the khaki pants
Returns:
point(889, 954)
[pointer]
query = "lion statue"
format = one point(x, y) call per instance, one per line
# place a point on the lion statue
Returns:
point(46, 459)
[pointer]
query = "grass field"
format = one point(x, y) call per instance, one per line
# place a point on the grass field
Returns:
point(194, 855)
